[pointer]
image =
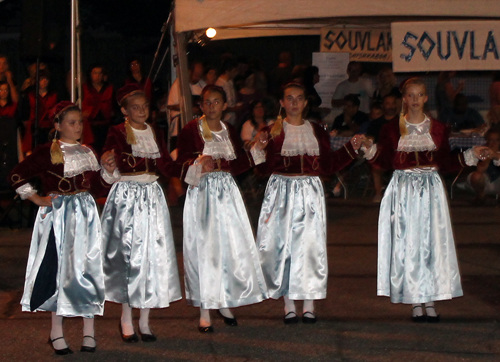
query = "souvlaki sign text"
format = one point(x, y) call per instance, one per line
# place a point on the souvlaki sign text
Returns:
point(446, 45)
point(364, 45)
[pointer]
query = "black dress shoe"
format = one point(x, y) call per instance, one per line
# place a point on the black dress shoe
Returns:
point(308, 318)
point(208, 329)
point(419, 318)
point(147, 337)
point(229, 321)
point(60, 352)
point(133, 338)
point(87, 348)
point(435, 319)
point(291, 320)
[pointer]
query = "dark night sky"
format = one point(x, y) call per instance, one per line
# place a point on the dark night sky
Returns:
point(143, 17)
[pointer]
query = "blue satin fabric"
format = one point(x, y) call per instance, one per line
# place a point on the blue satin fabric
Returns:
point(292, 237)
point(221, 262)
point(77, 231)
point(140, 263)
point(417, 261)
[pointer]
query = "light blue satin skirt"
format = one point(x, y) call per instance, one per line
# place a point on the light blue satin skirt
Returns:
point(79, 281)
point(221, 262)
point(292, 237)
point(417, 261)
point(140, 263)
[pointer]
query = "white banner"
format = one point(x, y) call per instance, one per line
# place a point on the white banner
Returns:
point(332, 71)
point(446, 45)
point(363, 45)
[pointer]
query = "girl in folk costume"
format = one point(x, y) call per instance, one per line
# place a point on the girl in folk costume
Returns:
point(417, 262)
point(64, 273)
point(221, 261)
point(140, 263)
point(292, 224)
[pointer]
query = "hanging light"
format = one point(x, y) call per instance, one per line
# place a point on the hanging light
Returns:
point(211, 32)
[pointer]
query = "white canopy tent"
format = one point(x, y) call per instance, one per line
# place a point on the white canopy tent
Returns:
point(257, 18)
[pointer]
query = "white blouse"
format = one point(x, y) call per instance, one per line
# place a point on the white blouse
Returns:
point(146, 146)
point(299, 140)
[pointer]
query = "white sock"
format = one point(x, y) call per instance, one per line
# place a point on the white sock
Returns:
point(430, 310)
point(57, 331)
point(308, 306)
point(205, 317)
point(289, 306)
point(126, 320)
point(417, 310)
point(144, 321)
point(88, 330)
point(226, 312)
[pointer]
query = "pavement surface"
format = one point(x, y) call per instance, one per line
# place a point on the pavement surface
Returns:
point(353, 323)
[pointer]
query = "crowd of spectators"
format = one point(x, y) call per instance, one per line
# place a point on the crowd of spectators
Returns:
point(252, 94)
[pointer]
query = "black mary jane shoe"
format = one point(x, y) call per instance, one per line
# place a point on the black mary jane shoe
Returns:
point(147, 337)
point(133, 338)
point(418, 318)
point(60, 352)
point(430, 319)
point(208, 329)
point(87, 348)
point(229, 321)
point(308, 318)
point(291, 320)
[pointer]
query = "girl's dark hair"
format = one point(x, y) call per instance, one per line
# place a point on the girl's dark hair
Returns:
point(91, 68)
point(309, 74)
point(293, 85)
point(213, 88)
point(63, 114)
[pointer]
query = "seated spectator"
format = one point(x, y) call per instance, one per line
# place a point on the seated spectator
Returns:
point(493, 118)
point(387, 83)
point(375, 113)
point(389, 112)
point(460, 116)
point(229, 70)
point(354, 84)
point(135, 76)
point(486, 179)
point(257, 121)
point(209, 77)
point(350, 121)
point(246, 95)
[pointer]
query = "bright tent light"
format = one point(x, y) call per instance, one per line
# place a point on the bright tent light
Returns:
point(211, 32)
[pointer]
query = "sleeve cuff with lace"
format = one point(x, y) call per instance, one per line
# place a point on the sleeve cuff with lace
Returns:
point(110, 178)
point(25, 191)
point(369, 153)
point(193, 174)
point(259, 156)
point(469, 158)
point(496, 163)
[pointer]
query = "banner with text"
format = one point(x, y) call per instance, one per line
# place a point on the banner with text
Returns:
point(446, 45)
point(363, 45)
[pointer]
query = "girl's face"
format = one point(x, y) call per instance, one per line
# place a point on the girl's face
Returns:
point(415, 97)
point(4, 91)
point(71, 127)
point(137, 110)
point(258, 111)
point(294, 102)
point(213, 105)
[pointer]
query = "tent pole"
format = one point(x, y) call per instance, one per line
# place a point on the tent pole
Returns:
point(73, 49)
point(186, 102)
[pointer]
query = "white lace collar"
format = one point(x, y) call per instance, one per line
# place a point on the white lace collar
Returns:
point(299, 140)
point(146, 146)
point(418, 138)
point(220, 146)
point(78, 159)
